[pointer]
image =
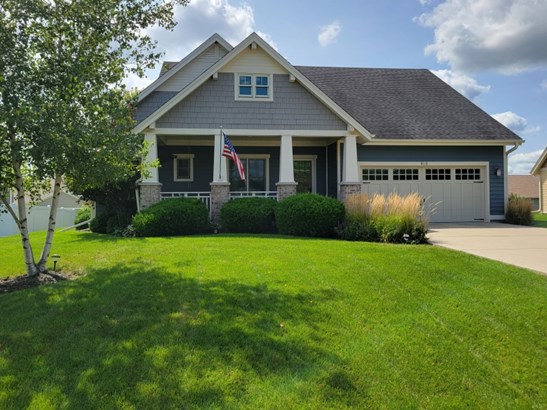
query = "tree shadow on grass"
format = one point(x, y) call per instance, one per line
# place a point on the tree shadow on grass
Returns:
point(138, 337)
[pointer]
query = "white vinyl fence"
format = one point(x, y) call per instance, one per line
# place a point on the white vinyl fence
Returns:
point(37, 219)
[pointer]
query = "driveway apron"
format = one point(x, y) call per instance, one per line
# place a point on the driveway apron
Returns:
point(516, 245)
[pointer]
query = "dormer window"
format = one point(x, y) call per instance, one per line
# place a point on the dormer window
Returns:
point(253, 87)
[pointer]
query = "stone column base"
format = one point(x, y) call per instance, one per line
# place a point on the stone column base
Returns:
point(285, 189)
point(220, 194)
point(149, 194)
point(349, 188)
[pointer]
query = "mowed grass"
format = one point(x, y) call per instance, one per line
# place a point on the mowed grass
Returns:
point(274, 323)
point(539, 219)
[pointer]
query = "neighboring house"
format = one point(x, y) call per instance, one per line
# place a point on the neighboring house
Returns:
point(540, 170)
point(329, 130)
point(525, 186)
point(38, 213)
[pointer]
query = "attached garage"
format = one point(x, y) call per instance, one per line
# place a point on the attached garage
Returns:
point(453, 192)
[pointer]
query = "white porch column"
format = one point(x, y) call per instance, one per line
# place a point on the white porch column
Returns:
point(350, 184)
point(151, 155)
point(220, 163)
point(150, 186)
point(286, 166)
point(286, 185)
point(350, 172)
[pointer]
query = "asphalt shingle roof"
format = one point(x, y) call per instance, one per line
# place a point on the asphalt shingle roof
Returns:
point(405, 104)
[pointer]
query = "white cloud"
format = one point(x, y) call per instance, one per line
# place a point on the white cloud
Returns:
point(464, 84)
point(522, 163)
point(544, 84)
point(196, 23)
point(506, 35)
point(329, 33)
point(515, 122)
point(133, 81)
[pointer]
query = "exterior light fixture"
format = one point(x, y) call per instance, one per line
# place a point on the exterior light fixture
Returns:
point(55, 258)
point(498, 172)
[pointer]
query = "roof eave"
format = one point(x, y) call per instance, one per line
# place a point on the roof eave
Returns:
point(215, 38)
point(537, 166)
point(303, 80)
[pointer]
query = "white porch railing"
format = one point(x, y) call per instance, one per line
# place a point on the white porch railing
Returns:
point(205, 197)
point(244, 194)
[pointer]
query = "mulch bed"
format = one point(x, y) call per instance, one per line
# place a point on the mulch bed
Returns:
point(25, 281)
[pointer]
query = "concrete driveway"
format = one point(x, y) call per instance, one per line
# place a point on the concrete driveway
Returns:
point(517, 245)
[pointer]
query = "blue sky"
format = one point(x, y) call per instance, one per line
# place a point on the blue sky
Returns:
point(492, 51)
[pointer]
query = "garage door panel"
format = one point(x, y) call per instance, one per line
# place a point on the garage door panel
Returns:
point(452, 193)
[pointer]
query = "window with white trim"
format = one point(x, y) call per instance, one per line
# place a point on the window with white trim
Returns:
point(256, 173)
point(253, 87)
point(405, 174)
point(468, 174)
point(183, 167)
point(375, 174)
point(437, 174)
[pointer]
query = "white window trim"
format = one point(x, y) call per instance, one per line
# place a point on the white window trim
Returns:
point(253, 96)
point(313, 159)
point(183, 156)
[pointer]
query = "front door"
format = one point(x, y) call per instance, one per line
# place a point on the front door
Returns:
point(303, 174)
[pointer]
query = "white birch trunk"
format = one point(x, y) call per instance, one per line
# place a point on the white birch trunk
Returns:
point(51, 223)
point(22, 221)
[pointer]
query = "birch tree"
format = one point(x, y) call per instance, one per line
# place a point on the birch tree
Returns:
point(64, 113)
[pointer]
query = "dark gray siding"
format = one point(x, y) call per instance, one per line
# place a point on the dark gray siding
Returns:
point(333, 183)
point(213, 105)
point(494, 155)
point(203, 166)
point(151, 103)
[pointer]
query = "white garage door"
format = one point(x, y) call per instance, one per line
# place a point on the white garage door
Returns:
point(452, 193)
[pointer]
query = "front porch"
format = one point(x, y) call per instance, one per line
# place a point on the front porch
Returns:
point(276, 166)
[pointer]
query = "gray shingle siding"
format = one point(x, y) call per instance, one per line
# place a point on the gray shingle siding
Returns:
point(152, 103)
point(203, 166)
point(493, 155)
point(213, 104)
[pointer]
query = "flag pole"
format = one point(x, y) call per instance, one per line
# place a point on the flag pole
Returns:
point(221, 149)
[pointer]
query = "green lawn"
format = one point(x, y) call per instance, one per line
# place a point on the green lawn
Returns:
point(539, 219)
point(271, 322)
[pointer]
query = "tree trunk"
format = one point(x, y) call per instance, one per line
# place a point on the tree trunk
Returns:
point(22, 221)
point(51, 223)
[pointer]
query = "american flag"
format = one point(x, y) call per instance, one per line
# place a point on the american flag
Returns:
point(230, 152)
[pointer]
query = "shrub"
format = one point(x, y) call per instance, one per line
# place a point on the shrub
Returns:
point(178, 216)
point(83, 214)
point(394, 219)
point(519, 210)
point(309, 215)
point(99, 223)
point(248, 215)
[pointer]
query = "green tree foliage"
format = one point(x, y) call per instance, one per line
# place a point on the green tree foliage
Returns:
point(64, 113)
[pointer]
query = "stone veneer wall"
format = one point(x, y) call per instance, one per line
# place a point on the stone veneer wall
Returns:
point(285, 190)
point(347, 189)
point(220, 194)
point(149, 195)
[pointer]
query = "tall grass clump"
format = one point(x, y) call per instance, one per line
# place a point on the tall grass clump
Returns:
point(519, 210)
point(394, 219)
